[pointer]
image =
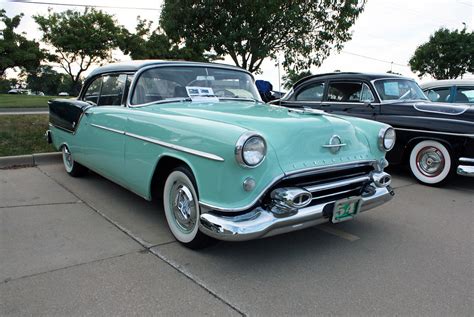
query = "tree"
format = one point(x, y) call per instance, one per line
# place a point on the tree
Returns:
point(447, 55)
point(79, 39)
point(45, 79)
point(250, 31)
point(146, 43)
point(15, 49)
point(292, 77)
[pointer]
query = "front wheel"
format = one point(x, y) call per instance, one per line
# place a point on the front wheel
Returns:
point(181, 205)
point(430, 162)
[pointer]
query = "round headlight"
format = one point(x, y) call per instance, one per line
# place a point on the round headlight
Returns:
point(250, 149)
point(387, 139)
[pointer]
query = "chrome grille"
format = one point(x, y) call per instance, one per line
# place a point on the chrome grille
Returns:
point(331, 184)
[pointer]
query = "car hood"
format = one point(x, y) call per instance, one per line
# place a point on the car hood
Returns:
point(297, 138)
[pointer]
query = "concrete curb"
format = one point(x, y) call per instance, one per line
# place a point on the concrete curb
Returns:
point(29, 160)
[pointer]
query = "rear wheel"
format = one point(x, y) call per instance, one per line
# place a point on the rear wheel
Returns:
point(72, 167)
point(430, 162)
point(181, 205)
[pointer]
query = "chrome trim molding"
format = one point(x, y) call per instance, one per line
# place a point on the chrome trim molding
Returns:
point(176, 147)
point(466, 159)
point(466, 107)
point(107, 129)
point(465, 170)
point(292, 174)
point(435, 132)
point(336, 184)
point(260, 223)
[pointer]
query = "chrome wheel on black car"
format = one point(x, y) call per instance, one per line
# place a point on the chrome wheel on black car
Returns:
point(430, 162)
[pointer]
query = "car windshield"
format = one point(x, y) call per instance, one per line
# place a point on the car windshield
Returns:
point(173, 83)
point(399, 89)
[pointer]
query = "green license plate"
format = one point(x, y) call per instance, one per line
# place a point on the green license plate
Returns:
point(345, 209)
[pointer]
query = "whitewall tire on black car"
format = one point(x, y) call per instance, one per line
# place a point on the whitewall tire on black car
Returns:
point(430, 162)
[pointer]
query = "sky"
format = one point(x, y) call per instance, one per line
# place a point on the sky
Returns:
point(384, 36)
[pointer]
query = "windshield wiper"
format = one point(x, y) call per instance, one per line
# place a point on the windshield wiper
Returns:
point(240, 98)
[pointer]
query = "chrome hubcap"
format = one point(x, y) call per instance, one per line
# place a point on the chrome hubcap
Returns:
point(67, 158)
point(184, 207)
point(430, 161)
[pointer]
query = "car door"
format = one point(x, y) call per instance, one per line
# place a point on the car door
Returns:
point(353, 98)
point(105, 123)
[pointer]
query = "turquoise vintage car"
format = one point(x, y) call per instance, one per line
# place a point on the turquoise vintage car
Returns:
point(226, 165)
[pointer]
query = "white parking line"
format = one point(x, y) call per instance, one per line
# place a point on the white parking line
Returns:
point(336, 232)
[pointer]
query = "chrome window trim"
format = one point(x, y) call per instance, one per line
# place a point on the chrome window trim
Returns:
point(289, 175)
point(139, 72)
point(206, 155)
point(435, 132)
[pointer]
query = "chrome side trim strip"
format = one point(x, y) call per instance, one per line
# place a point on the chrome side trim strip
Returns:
point(336, 184)
point(107, 129)
point(436, 132)
point(297, 173)
point(176, 147)
point(465, 170)
point(333, 145)
point(466, 159)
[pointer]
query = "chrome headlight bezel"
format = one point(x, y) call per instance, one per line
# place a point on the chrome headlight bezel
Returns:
point(382, 138)
point(240, 149)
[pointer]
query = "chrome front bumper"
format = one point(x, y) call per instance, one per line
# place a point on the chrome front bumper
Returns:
point(466, 170)
point(261, 223)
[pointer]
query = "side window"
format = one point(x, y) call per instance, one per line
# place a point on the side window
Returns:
point(312, 92)
point(465, 95)
point(112, 90)
point(345, 92)
point(93, 91)
point(366, 95)
point(438, 94)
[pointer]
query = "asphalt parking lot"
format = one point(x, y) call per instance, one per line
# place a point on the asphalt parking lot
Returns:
point(89, 247)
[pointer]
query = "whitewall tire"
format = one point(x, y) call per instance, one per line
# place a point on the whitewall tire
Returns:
point(72, 167)
point(182, 211)
point(430, 162)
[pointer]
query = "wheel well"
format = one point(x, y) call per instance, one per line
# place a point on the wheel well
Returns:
point(164, 167)
point(411, 144)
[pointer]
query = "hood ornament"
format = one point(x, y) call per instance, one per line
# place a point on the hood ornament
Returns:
point(335, 144)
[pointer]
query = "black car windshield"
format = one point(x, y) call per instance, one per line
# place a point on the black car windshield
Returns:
point(173, 83)
point(399, 89)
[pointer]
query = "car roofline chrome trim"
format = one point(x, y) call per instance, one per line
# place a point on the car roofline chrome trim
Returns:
point(180, 148)
point(437, 132)
point(145, 68)
point(292, 174)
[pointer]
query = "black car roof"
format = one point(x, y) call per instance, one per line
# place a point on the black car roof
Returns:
point(133, 66)
point(349, 75)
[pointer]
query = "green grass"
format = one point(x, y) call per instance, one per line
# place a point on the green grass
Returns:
point(24, 101)
point(23, 134)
